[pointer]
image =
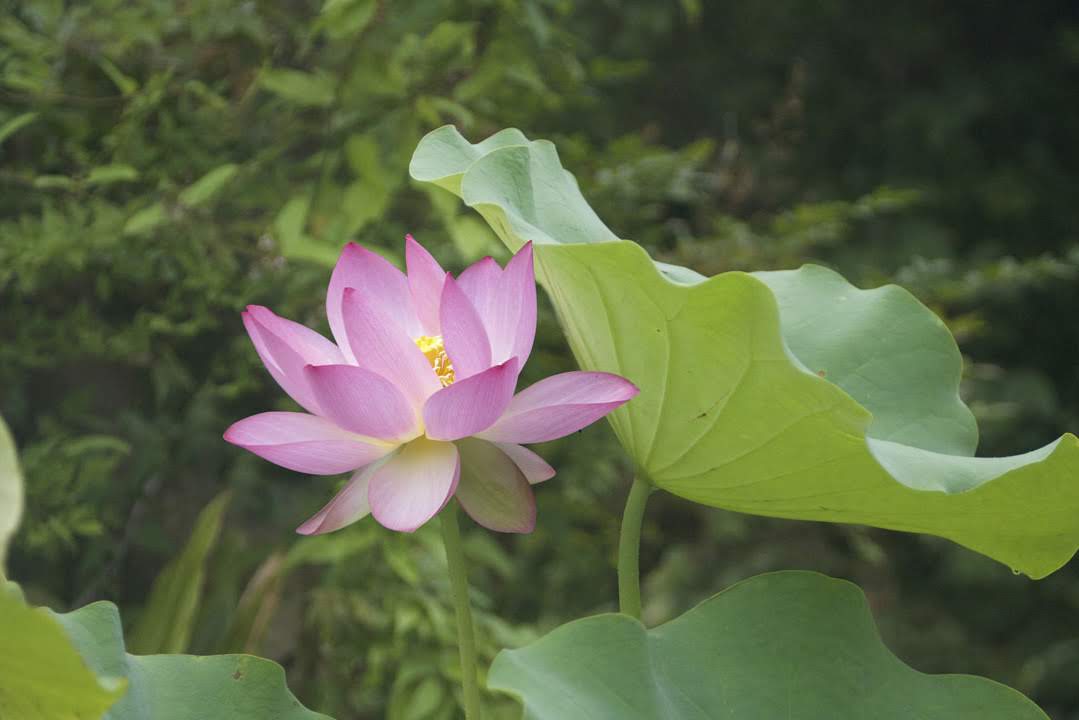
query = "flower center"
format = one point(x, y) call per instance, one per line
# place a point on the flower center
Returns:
point(433, 347)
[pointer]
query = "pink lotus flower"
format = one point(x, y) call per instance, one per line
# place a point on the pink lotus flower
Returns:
point(417, 399)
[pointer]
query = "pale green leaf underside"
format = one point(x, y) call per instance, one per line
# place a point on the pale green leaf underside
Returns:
point(180, 687)
point(792, 645)
point(788, 394)
point(885, 349)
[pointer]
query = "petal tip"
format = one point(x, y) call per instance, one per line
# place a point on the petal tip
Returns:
point(414, 248)
point(526, 527)
point(310, 527)
point(487, 260)
point(514, 530)
point(399, 527)
point(229, 435)
point(259, 310)
point(350, 252)
point(624, 389)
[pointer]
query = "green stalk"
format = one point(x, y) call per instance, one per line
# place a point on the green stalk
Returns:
point(466, 636)
point(629, 548)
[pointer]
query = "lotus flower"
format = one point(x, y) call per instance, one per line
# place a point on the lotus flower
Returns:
point(417, 399)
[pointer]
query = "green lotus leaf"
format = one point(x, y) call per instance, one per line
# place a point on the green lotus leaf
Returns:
point(781, 645)
point(787, 394)
point(74, 666)
point(42, 676)
point(179, 687)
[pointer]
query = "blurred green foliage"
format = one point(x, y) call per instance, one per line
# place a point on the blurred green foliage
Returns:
point(166, 163)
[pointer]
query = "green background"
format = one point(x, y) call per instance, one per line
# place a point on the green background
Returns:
point(163, 164)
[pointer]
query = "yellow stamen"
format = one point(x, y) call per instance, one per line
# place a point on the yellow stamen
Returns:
point(435, 350)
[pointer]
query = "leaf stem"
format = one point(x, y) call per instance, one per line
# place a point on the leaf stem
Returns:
point(466, 636)
point(629, 548)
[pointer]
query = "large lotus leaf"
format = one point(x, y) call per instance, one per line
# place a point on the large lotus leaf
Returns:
point(42, 676)
point(789, 394)
point(793, 645)
point(180, 687)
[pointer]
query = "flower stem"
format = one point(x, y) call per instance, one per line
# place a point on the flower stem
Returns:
point(466, 636)
point(629, 548)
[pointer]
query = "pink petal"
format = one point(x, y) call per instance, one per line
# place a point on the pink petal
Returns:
point(511, 324)
point(470, 405)
point(380, 281)
point(285, 347)
point(380, 345)
point(304, 443)
point(506, 303)
point(463, 333)
point(480, 282)
point(425, 277)
point(363, 402)
point(316, 349)
point(346, 507)
point(558, 405)
point(414, 484)
point(493, 490)
point(535, 468)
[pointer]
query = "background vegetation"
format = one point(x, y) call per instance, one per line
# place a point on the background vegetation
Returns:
point(166, 162)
